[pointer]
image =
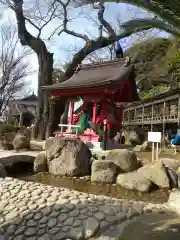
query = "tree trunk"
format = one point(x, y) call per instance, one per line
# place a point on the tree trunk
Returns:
point(45, 60)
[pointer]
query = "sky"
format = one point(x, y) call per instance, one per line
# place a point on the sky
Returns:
point(64, 46)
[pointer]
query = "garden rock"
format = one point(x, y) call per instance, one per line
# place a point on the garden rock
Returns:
point(171, 163)
point(40, 163)
point(134, 181)
point(21, 142)
point(103, 171)
point(67, 156)
point(174, 200)
point(3, 172)
point(134, 135)
point(126, 160)
point(156, 173)
point(146, 146)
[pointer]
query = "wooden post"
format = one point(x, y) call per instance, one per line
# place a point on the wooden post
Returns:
point(128, 116)
point(142, 119)
point(152, 112)
point(21, 119)
point(179, 109)
point(135, 117)
point(94, 113)
point(71, 111)
point(105, 135)
point(164, 119)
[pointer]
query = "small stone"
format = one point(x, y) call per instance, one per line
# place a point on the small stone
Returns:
point(9, 207)
point(70, 206)
point(20, 230)
point(31, 238)
point(3, 204)
point(60, 236)
point(57, 207)
point(43, 220)
point(91, 225)
point(11, 229)
point(36, 192)
point(93, 209)
point(76, 233)
point(47, 210)
point(45, 237)
point(74, 213)
point(30, 232)
point(29, 216)
point(37, 216)
point(82, 217)
point(65, 210)
point(31, 223)
point(62, 217)
point(77, 223)
point(19, 237)
point(69, 221)
point(54, 230)
point(52, 223)
point(54, 214)
point(41, 231)
point(10, 216)
point(63, 201)
point(99, 216)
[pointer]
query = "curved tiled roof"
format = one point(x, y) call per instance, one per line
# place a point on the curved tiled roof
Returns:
point(107, 74)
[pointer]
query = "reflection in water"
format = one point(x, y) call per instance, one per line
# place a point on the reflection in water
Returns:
point(156, 196)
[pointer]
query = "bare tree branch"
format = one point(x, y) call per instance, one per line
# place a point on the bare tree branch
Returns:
point(13, 68)
point(65, 22)
point(104, 23)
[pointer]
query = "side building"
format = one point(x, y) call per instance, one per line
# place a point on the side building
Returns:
point(161, 113)
point(22, 111)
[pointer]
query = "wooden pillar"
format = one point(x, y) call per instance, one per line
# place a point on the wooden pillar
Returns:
point(164, 119)
point(71, 111)
point(21, 119)
point(135, 117)
point(142, 119)
point(152, 112)
point(179, 109)
point(94, 113)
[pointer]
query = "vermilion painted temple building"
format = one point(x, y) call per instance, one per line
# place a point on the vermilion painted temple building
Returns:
point(104, 88)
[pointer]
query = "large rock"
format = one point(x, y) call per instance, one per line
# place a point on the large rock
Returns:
point(171, 163)
point(134, 135)
point(126, 160)
point(174, 201)
point(103, 171)
point(40, 163)
point(146, 146)
point(21, 141)
point(134, 181)
point(67, 156)
point(156, 173)
point(3, 172)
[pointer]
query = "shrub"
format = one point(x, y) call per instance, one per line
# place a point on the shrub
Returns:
point(5, 128)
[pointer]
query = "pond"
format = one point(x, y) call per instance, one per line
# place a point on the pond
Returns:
point(115, 191)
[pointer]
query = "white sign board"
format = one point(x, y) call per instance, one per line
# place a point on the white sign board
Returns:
point(154, 137)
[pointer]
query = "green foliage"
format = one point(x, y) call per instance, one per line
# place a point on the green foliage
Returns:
point(6, 128)
point(174, 63)
point(157, 65)
point(155, 91)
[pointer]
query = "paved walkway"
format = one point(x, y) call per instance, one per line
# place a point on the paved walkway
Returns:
point(35, 211)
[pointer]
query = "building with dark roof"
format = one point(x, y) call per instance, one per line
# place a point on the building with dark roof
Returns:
point(22, 111)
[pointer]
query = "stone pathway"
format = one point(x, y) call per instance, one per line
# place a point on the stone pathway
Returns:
point(35, 211)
